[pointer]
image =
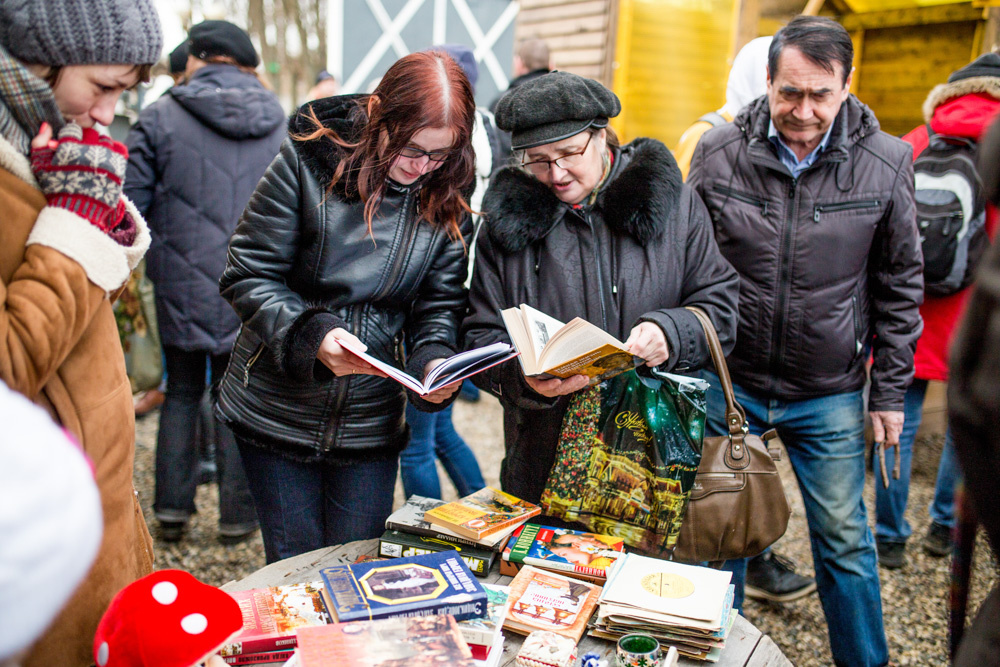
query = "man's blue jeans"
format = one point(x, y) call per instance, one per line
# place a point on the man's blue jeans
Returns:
point(306, 506)
point(824, 438)
point(890, 504)
point(433, 436)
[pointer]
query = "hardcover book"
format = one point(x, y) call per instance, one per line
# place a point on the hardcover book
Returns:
point(258, 658)
point(272, 615)
point(483, 631)
point(482, 513)
point(453, 369)
point(392, 642)
point(549, 601)
point(563, 549)
point(396, 544)
point(435, 583)
point(549, 348)
point(410, 519)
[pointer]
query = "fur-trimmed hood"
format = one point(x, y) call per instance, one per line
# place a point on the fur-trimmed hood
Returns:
point(345, 115)
point(641, 195)
point(945, 92)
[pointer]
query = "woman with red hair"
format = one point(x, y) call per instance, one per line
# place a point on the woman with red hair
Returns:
point(357, 232)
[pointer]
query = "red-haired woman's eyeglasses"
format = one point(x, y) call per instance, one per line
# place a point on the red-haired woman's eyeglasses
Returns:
point(413, 153)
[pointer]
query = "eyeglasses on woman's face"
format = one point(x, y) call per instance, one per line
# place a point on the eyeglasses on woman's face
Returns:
point(414, 153)
point(567, 161)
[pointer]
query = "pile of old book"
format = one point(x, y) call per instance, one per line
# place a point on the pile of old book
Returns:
point(684, 606)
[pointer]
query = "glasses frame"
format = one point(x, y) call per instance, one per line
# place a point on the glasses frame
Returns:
point(527, 165)
point(436, 157)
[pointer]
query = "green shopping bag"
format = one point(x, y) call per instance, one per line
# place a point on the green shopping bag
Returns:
point(627, 457)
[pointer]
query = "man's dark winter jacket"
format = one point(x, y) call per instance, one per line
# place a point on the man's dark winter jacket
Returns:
point(195, 156)
point(830, 264)
point(303, 263)
point(640, 253)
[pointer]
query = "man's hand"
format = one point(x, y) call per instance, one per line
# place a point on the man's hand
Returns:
point(556, 387)
point(339, 360)
point(888, 425)
point(445, 392)
point(647, 341)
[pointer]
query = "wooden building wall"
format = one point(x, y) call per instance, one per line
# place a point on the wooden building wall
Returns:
point(580, 33)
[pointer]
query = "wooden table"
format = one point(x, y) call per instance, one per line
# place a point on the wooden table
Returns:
point(745, 647)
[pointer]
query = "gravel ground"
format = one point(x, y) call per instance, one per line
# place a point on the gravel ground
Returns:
point(914, 599)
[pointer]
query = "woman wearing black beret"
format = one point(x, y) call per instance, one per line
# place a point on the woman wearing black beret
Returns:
point(583, 227)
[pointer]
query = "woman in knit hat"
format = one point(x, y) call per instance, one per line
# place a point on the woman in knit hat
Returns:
point(583, 227)
point(69, 242)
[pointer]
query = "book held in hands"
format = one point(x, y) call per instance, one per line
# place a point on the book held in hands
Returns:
point(482, 513)
point(548, 348)
point(453, 369)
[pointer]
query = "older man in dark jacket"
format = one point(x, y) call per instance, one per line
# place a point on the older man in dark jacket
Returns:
point(813, 205)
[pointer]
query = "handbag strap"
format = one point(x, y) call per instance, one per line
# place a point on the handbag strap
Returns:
point(736, 420)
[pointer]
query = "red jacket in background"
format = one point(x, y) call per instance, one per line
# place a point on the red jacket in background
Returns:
point(962, 115)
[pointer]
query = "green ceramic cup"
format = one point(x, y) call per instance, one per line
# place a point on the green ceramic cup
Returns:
point(638, 650)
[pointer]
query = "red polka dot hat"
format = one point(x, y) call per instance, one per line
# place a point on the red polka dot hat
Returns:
point(165, 619)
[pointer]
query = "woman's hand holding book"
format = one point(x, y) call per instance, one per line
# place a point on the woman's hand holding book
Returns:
point(339, 360)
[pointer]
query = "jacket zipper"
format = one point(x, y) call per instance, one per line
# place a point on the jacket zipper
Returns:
point(843, 206)
point(739, 196)
point(338, 402)
point(600, 274)
point(250, 362)
point(784, 283)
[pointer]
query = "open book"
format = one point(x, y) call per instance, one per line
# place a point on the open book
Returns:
point(453, 369)
point(550, 348)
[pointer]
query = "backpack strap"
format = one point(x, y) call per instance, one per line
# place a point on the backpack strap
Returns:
point(714, 118)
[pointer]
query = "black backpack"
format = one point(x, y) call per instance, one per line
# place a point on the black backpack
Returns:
point(951, 212)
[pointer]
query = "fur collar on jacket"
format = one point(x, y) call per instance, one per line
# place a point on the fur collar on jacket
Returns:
point(343, 114)
point(639, 199)
point(944, 92)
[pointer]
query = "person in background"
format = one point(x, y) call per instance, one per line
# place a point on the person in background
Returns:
point(50, 522)
point(583, 227)
point(177, 62)
point(963, 107)
point(531, 60)
point(357, 232)
point(326, 86)
point(196, 155)
point(747, 81)
point(798, 174)
point(432, 434)
point(70, 241)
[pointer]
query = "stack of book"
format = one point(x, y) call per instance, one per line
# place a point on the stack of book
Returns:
point(541, 600)
point(577, 554)
point(271, 617)
point(684, 606)
point(476, 526)
point(483, 635)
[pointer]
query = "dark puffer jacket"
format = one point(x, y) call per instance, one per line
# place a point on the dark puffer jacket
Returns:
point(830, 263)
point(640, 253)
point(301, 264)
point(195, 156)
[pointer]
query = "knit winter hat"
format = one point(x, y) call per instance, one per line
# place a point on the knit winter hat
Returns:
point(81, 32)
point(988, 65)
point(553, 107)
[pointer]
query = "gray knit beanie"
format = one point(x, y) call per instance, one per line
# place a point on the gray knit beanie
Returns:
point(81, 32)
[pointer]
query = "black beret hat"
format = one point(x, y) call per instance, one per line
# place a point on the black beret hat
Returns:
point(988, 65)
point(222, 38)
point(179, 58)
point(553, 107)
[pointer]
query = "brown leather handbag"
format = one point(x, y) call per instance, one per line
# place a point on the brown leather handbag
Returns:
point(738, 506)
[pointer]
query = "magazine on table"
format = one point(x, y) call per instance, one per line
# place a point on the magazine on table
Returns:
point(453, 369)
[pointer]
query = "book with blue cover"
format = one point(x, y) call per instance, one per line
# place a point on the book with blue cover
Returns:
point(435, 583)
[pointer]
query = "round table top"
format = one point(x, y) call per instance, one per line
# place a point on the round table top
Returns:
point(745, 646)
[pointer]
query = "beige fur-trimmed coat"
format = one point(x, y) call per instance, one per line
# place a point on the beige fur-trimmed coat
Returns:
point(59, 347)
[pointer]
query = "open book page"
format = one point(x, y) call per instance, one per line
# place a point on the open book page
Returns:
point(574, 340)
point(459, 366)
point(541, 329)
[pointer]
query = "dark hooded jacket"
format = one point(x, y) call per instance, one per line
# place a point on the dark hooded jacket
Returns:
point(830, 263)
point(302, 263)
point(195, 156)
point(642, 252)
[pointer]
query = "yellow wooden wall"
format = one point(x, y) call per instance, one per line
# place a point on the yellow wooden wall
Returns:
point(671, 63)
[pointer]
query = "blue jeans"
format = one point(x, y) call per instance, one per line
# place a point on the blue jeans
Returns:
point(824, 438)
point(890, 504)
point(432, 435)
point(306, 506)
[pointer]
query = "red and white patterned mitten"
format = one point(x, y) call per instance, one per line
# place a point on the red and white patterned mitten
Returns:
point(83, 175)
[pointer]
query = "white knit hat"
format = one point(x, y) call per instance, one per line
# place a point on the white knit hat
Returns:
point(50, 520)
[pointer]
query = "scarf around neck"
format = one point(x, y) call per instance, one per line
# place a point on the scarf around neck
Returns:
point(25, 102)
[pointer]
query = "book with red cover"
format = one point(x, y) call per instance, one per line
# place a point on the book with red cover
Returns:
point(424, 640)
point(258, 658)
point(271, 616)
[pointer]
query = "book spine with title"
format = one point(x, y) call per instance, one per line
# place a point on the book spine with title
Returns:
point(397, 544)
